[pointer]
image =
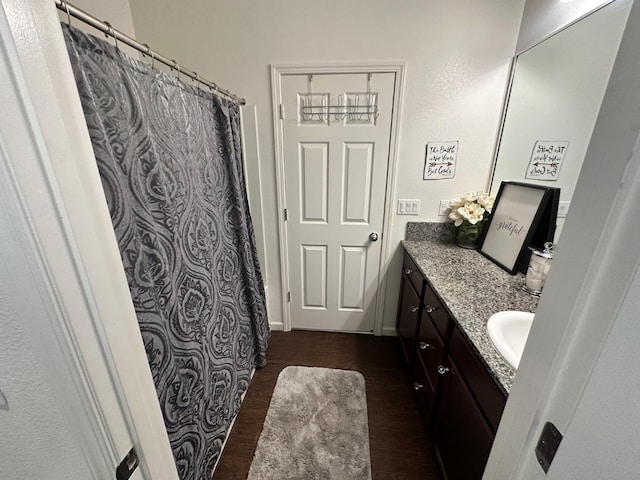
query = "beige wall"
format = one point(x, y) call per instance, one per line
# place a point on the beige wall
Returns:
point(457, 55)
point(116, 12)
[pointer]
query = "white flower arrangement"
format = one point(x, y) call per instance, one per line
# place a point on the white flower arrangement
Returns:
point(474, 207)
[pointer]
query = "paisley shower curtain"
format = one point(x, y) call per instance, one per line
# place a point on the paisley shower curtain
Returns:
point(170, 161)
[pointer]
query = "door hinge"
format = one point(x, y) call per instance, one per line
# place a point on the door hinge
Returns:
point(286, 215)
point(288, 296)
point(127, 466)
point(281, 111)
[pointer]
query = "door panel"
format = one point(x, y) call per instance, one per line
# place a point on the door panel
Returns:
point(314, 276)
point(352, 266)
point(335, 184)
point(314, 189)
point(356, 182)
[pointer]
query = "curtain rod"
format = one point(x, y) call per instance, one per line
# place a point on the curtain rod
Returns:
point(106, 28)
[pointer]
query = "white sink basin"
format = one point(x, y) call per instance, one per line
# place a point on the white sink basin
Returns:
point(509, 331)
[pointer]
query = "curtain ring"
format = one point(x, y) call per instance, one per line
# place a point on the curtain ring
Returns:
point(66, 9)
point(151, 54)
point(176, 67)
point(111, 31)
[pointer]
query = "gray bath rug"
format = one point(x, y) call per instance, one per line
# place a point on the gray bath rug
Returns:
point(316, 428)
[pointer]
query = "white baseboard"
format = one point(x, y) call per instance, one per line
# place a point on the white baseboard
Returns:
point(276, 326)
point(389, 332)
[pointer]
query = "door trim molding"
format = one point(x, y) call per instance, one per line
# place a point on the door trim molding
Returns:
point(277, 72)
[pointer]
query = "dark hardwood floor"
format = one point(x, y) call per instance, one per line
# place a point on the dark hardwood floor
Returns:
point(400, 449)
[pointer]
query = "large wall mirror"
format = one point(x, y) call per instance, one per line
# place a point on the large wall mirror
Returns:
point(555, 96)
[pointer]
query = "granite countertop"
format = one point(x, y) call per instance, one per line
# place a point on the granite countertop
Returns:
point(472, 288)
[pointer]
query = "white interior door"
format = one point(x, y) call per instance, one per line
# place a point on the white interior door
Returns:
point(71, 297)
point(335, 183)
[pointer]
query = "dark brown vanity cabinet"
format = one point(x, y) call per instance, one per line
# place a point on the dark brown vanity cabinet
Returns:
point(422, 327)
point(459, 400)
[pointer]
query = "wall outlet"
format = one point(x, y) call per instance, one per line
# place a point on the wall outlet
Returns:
point(444, 208)
point(563, 208)
point(408, 207)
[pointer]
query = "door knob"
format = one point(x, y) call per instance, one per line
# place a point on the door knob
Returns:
point(373, 236)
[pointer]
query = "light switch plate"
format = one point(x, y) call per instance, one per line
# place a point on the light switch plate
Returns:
point(408, 207)
point(444, 208)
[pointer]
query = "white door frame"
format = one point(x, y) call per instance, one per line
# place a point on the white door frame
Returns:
point(277, 72)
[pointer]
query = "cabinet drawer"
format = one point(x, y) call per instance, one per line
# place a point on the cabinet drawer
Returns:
point(436, 311)
point(430, 349)
point(490, 398)
point(413, 274)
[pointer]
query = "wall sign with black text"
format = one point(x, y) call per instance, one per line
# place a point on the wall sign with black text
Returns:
point(440, 160)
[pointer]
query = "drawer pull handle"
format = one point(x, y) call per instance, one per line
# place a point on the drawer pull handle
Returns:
point(417, 386)
point(414, 309)
point(429, 308)
point(442, 370)
point(424, 346)
point(408, 271)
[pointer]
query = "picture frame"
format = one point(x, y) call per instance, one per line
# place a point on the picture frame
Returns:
point(522, 214)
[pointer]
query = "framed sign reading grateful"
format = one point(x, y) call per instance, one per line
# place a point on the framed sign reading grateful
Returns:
point(517, 212)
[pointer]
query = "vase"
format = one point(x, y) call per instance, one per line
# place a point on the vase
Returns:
point(469, 235)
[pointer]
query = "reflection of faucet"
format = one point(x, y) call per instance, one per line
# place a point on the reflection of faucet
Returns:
point(539, 267)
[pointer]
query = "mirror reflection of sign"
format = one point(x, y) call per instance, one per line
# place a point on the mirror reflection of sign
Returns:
point(546, 160)
point(440, 160)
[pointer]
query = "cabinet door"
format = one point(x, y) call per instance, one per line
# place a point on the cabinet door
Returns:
point(490, 398)
point(408, 320)
point(462, 436)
